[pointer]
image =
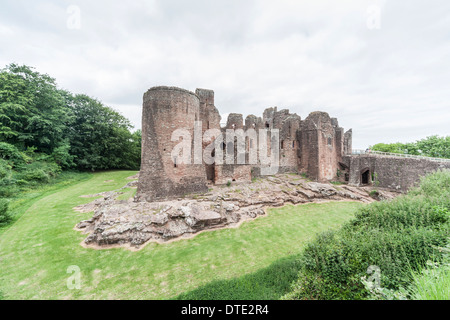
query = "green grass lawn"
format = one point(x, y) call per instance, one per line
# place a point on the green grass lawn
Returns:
point(256, 260)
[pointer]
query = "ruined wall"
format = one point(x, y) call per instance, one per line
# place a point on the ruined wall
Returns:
point(166, 109)
point(233, 173)
point(236, 171)
point(210, 118)
point(288, 124)
point(348, 142)
point(321, 146)
point(317, 146)
point(394, 173)
point(308, 151)
point(314, 146)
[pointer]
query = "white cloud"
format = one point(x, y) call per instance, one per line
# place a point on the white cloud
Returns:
point(388, 84)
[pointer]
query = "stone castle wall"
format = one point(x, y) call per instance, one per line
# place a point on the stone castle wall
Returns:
point(166, 109)
point(395, 173)
point(313, 146)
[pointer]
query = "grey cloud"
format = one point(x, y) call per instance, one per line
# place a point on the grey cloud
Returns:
point(388, 84)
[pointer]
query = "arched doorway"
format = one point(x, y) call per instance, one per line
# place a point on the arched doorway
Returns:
point(365, 176)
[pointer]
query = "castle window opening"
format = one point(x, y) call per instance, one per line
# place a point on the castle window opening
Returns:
point(267, 125)
point(293, 144)
point(330, 141)
point(282, 144)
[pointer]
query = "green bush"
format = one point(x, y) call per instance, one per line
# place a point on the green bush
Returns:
point(15, 158)
point(39, 172)
point(5, 169)
point(5, 217)
point(397, 236)
point(62, 156)
point(432, 283)
point(19, 170)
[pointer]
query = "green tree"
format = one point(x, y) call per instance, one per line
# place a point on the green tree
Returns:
point(391, 147)
point(32, 109)
point(433, 146)
point(100, 137)
point(58, 127)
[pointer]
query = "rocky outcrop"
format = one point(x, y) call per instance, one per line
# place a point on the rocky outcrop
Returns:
point(135, 223)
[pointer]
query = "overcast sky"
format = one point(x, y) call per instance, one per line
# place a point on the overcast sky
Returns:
point(380, 67)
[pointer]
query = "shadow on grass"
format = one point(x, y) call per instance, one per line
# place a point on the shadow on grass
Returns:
point(270, 283)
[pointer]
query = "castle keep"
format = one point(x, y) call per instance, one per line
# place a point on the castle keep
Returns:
point(314, 146)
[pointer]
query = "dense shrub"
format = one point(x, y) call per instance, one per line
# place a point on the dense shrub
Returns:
point(5, 217)
point(38, 172)
point(19, 169)
point(397, 236)
point(432, 283)
point(5, 169)
point(13, 156)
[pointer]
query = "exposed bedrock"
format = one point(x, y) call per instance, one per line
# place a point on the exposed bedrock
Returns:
point(129, 223)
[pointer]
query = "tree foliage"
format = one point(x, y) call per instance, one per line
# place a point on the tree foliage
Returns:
point(32, 109)
point(5, 217)
point(433, 146)
point(73, 131)
point(100, 137)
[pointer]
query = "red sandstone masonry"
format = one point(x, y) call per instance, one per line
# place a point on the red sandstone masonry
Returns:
point(314, 146)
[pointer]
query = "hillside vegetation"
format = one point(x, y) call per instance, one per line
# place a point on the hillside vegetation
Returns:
point(45, 130)
point(393, 241)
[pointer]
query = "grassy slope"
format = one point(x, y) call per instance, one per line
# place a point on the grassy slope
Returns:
point(19, 204)
point(37, 250)
point(432, 284)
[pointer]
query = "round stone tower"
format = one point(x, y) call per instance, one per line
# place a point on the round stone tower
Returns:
point(164, 175)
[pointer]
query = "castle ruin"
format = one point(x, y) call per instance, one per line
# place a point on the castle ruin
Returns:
point(314, 146)
point(179, 197)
